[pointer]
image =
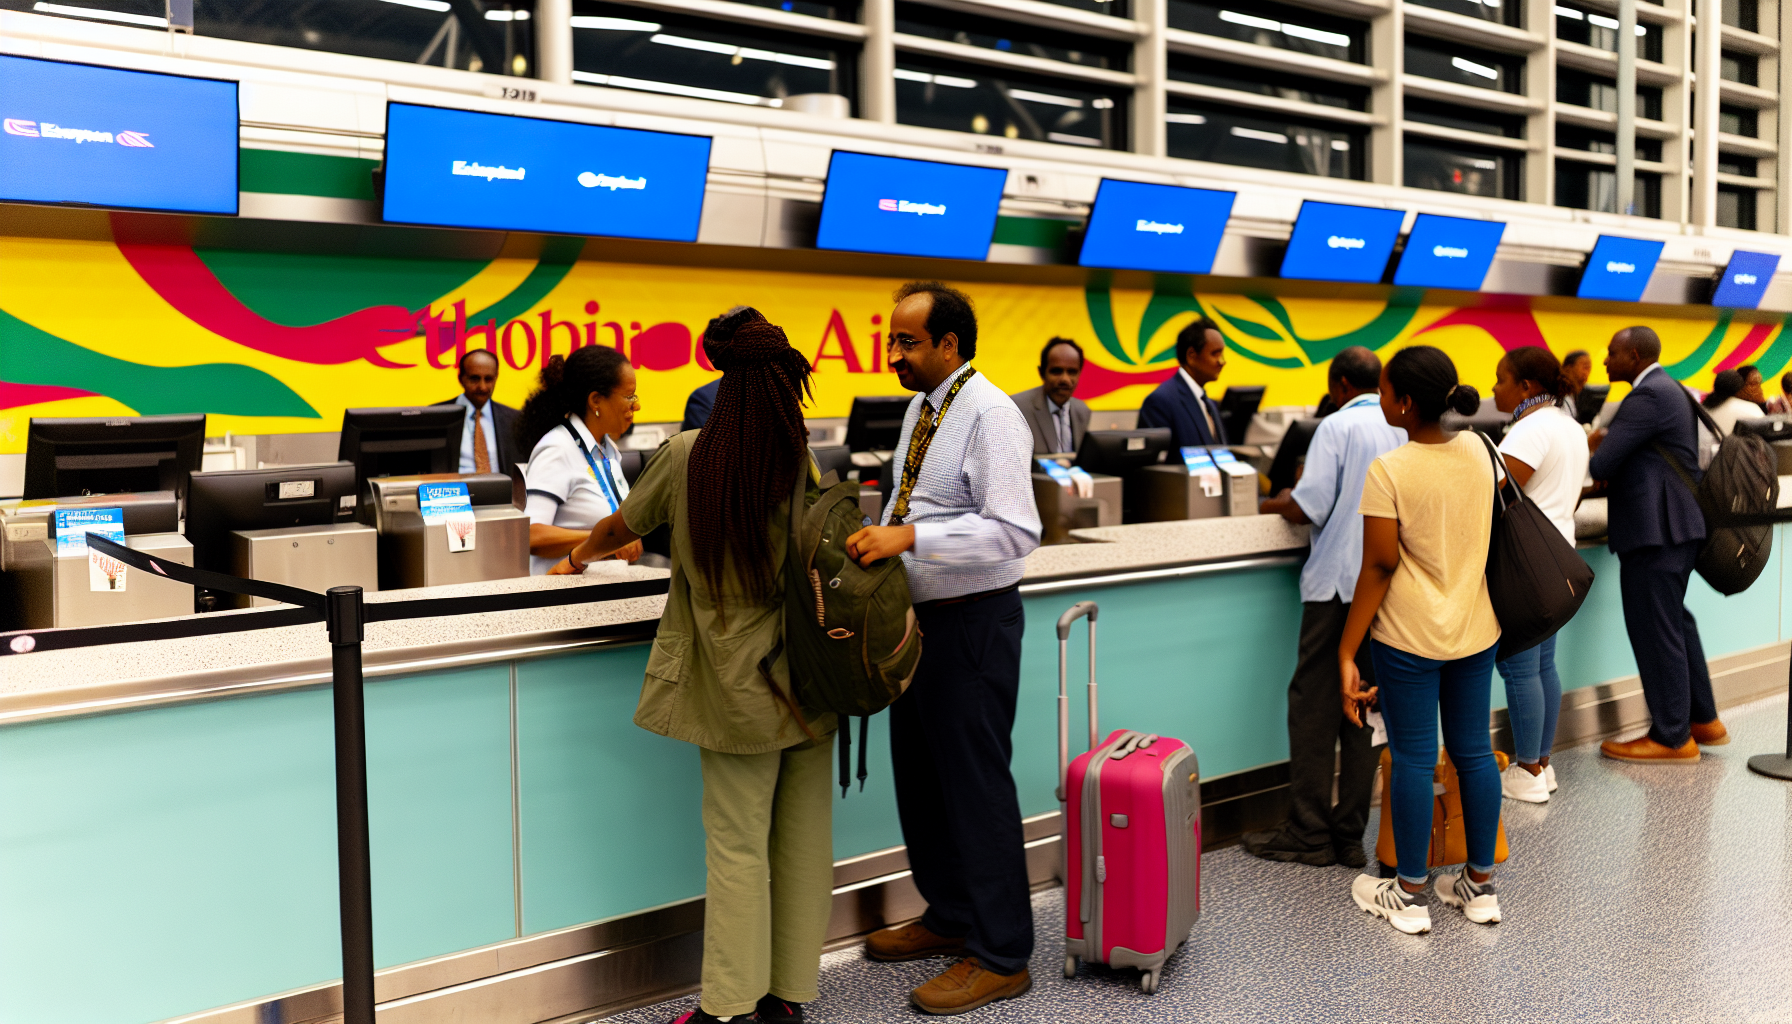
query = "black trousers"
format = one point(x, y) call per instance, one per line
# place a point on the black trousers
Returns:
point(950, 744)
point(1317, 726)
point(1665, 638)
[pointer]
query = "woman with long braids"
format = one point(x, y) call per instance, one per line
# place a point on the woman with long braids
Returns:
point(570, 426)
point(717, 675)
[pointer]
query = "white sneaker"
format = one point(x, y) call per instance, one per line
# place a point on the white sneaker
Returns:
point(1407, 911)
point(1519, 784)
point(1549, 777)
point(1477, 901)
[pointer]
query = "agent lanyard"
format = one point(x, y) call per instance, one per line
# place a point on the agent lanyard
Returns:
point(602, 474)
point(918, 443)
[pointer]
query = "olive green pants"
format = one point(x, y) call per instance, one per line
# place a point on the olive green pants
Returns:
point(768, 819)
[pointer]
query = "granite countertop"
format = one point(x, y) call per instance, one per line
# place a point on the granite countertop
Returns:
point(1104, 549)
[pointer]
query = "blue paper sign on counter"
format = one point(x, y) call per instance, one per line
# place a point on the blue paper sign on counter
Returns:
point(1619, 268)
point(1448, 252)
point(451, 505)
point(1165, 228)
point(1746, 279)
point(72, 526)
point(1334, 242)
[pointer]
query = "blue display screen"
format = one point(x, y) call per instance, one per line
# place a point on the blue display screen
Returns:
point(1165, 228)
point(1332, 242)
point(1448, 252)
point(1619, 268)
point(75, 133)
point(460, 168)
point(909, 207)
point(1746, 279)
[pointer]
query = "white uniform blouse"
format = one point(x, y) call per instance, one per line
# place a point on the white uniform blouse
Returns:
point(564, 487)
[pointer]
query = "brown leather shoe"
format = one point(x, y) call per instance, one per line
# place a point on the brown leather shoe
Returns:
point(1644, 750)
point(1710, 734)
point(965, 986)
point(910, 941)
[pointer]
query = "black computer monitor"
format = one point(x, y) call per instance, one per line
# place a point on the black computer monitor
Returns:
point(112, 455)
point(1237, 406)
point(1767, 428)
point(875, 423)
point(263, 499)
point(402, 442)
point(835, 458)
point(1289, 451)
point(1122, 452)
point(1589, 401)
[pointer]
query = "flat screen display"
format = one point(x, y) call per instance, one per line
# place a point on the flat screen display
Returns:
point(1746, 279)
point(462, 168)
point(904, 207)
point(1165, 228)
point(1619, 268)
point(1333, 242)
point(75, 133)
point(1448, 252)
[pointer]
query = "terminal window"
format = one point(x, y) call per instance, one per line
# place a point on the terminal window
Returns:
point(1262, 139)
point(1271, 24)
point(1449, 167)
point(985, 101)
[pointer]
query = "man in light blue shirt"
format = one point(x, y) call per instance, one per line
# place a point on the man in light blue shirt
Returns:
point(1328, 495)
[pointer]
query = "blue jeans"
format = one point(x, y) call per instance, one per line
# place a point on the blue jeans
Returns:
point(1412, 692)
point(1533, 699)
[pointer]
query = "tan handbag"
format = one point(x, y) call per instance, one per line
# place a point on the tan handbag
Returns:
point(1449, 844)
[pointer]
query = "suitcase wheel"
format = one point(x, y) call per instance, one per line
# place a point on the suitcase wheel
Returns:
point(1070, 963)
point(1148, 982)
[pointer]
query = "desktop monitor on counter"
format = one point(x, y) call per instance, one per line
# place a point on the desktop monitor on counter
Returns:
point(462, 168)
point(1122, 452)
point(402, 441)
point(97, 136)
point(1448, 252)
point(887, 204)
point(875, 422)
point(1745, 280)
point(263, 499)
point(1165, 228)
point(114, 455)
point(1619, 268)
point(1237, 406)
point(1589, 400)
point(1333, 242)
point(1290, 450)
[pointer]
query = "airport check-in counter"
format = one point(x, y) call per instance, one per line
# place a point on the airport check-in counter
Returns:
point(1169, 492)
point(313, 558)
point(44, 589)
point(413, 553)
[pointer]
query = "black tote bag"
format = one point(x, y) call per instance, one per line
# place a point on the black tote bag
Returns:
point(1535, 579)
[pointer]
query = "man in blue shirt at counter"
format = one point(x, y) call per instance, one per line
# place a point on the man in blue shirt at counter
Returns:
point(963, 521)
point(1328, 495)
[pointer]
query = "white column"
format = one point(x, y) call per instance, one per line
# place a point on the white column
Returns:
point(1151, 64)
point(553, 41)
point(1627, 107)
point(1387, 42)
point(1706, 64)
point(877, 62)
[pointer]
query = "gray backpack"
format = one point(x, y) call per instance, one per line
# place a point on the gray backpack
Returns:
point(1738, 495)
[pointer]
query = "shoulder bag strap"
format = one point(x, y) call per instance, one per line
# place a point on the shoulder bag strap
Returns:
point(1499, 487)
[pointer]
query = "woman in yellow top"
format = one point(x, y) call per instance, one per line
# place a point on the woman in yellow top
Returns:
point(1422, 599)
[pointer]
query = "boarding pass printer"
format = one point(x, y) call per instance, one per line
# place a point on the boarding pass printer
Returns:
point(1205, 483)
point(45, 587)
point(424, 540)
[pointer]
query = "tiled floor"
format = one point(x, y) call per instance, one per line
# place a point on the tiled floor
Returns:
point(1635, 894)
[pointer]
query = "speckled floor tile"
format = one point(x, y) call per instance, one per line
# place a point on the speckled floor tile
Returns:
point(1636, 894)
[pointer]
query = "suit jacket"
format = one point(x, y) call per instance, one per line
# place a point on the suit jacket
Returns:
point(1649, 504)
point(697, 407)
point(1037, 409)
point(504, 418)
point(1173, 405)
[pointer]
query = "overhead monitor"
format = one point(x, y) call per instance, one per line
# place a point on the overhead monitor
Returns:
point(887, 204)
point(462, 168)
point(1619, 268)
point(1164, 228)
point(1746, 279)
point(1334, 242)
point(112, 455)
point(93, 136)
point(1448, 252)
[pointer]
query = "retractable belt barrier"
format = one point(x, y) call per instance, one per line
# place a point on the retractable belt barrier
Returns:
point(345, 613)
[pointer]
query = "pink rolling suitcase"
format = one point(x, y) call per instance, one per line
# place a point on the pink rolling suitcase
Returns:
point(1132, 837)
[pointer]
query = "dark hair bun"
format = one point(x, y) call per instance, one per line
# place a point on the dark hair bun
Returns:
point(1464, 399)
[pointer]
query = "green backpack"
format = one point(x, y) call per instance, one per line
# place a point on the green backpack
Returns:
point(850, 632)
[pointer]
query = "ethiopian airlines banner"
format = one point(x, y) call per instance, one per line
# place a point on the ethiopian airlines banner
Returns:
point(283, 342)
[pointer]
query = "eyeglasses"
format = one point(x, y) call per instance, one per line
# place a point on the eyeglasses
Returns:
point(906, 344)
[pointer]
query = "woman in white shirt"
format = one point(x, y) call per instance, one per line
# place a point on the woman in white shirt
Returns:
point(1725, 403)
point(1545, 450)
point(584, 403)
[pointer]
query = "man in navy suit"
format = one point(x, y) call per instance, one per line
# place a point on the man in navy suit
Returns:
point(1656, 530)
point(1181, 403)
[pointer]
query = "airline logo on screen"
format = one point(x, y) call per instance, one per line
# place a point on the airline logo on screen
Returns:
point(475, 169)
point(610, 181)
point(46, 130)
point(905, 206)
point(1158, 229)
point(1744, 278)
point(1614, 267)
point(1341, 242)
point(1449, 252)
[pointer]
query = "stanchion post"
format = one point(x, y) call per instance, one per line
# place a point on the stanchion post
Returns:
point(345, 616)
point(1777, 766)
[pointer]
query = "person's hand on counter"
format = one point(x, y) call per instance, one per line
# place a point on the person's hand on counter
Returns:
point(1285, 506)
point(611, 536)
point(630, 552)
point(876, 543)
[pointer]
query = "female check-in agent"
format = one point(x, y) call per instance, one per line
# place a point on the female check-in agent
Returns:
point(574, 478)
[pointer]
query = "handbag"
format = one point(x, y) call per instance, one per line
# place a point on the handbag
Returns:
point(1535, 579)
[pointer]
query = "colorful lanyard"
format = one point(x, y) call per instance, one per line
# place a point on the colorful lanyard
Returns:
point(1530, 403)
point(918, 443)
point(602, 475)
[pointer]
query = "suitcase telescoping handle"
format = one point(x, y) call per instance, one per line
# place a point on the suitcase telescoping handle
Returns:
point(1073, 613)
